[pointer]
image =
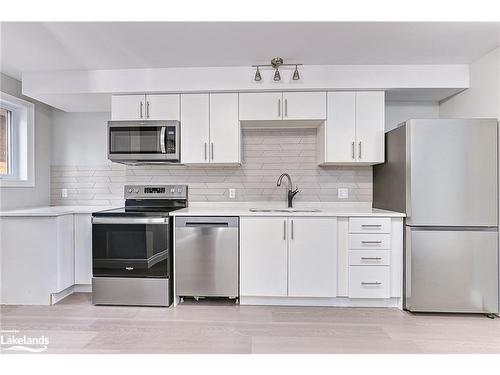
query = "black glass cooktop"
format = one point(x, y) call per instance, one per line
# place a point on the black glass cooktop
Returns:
point(138, 212)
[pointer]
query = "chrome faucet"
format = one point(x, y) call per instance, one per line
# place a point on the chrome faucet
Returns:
point(291, 193)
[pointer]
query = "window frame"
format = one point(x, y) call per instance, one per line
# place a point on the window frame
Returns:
point(8, 133)
point(22, 142)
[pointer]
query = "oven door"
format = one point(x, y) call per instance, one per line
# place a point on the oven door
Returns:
point(130, 247)
point(140, 141)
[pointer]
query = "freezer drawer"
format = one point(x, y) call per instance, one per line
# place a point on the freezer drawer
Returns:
point(449, 270)
point(206, 256)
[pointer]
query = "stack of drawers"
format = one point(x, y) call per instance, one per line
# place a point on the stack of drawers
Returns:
point(369, 257)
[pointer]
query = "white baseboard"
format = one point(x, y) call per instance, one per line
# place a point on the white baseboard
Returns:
point(77, 288)
point(323, 302)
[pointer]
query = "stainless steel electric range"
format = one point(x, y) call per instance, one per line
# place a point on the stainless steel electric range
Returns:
point(132, 247)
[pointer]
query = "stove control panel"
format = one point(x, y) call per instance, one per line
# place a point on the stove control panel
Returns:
point(155, 191)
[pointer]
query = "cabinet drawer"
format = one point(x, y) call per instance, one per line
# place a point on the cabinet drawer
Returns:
point(369, 241)
point(369, 257)
point(369, 281)
point(370, 225)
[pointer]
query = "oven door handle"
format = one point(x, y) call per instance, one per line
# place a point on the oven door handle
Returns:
point(162, 140)
point(128, 220)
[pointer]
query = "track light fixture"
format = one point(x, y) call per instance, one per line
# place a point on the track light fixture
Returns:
point(276, 63)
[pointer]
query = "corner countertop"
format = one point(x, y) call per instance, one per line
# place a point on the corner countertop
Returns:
point(243, 209)
point(51, 211)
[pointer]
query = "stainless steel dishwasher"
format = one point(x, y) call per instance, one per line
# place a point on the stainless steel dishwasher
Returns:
point(206, 256)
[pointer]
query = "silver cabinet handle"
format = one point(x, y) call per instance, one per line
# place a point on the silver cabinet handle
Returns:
point(286, 107)
point(371, 225)
point(279, 107)
point(147, 109)
point(129, 268)
point(359, 150)
point(375, 283)
point(352, 149)
point(205, 150)
point(371, 242)
point(162, 140)
point(371, 258)
point(212, 144)
point(284, 230)
point(292, 230)
point(140, 109)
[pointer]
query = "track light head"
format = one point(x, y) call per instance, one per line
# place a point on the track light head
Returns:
point(257, 75)
point(277, 76)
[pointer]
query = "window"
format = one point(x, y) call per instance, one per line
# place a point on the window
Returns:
point(5, 142)
point(17, 142)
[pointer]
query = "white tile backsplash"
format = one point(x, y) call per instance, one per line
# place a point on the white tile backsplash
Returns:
point(266, 154)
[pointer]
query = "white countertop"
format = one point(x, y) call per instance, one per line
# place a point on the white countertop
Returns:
point(243, 209)
point(221, 209)
point(53, 211)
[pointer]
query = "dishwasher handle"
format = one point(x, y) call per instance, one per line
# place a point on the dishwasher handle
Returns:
point(206, 222)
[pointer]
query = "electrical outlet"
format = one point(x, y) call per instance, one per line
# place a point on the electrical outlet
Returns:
point(343, 193)
point(64, 193)
point(232, 193)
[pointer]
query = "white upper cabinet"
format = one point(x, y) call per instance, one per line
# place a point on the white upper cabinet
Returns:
point(128, 107)
point(354, 130)
point(263, 256)
point(145, 107)
point(370, 126)
point(341, 127)
point(163, 107)
point(210, 130)
point(195, 127)
point(270, 106)
point(259, 106)
point(304, 105)
point(224, 128)
point(312, 257)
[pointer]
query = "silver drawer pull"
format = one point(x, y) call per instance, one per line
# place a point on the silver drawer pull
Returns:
point(371, 242)
point(371, 225)
point(371, 258)
point(129, 268)
point(375, 283)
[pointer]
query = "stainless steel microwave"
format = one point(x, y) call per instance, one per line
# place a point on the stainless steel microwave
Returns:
point(136, 142)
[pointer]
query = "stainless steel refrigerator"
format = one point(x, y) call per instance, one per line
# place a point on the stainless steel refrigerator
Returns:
point(444, 175)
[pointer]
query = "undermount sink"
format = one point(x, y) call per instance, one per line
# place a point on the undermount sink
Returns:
point(283, 210)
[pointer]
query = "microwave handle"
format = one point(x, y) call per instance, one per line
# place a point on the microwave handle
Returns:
point(163, 140)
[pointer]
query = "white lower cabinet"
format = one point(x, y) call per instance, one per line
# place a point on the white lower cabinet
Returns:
point(323, 261)
point(263, 256)
point(283, 257)
point(83, 248)
point(312, 257)
point(369, 282)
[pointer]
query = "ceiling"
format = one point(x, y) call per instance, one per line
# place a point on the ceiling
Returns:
point(116, 45)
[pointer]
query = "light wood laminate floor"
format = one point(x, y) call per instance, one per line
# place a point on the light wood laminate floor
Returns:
point(76, 326)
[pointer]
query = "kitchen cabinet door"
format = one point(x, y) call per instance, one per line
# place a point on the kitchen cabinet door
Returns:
point(370, 126)
point(162, 107)
point(257, 106)
point(195, 113)
point(83, 248)
point(340, 132)
point(263, 256)
point(312, 257)
point(224, 128)
point(128, 107)
point(65, 258)
point(304, 105)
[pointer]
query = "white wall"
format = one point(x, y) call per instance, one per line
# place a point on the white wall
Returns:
point(80, 138)
point(482, 99)
point(397, 112)
point(39, 195)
